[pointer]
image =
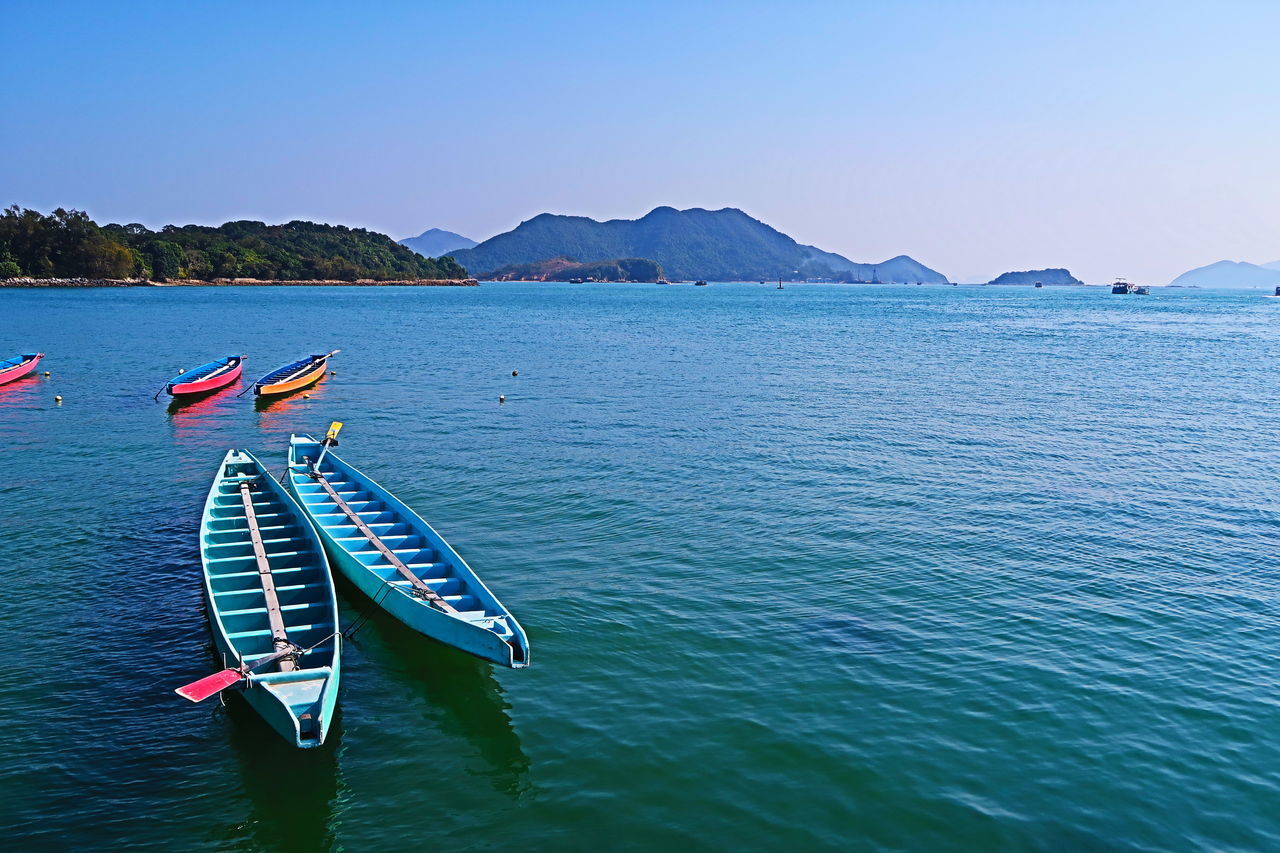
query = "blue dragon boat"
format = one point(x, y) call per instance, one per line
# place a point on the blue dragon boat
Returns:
point(271, 603)
point(397, 559)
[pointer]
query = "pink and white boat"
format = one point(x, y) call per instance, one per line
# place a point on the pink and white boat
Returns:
point(19, 366)
point(206, 377)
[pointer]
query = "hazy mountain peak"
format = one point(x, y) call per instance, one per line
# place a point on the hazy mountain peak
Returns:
point(435, 242)
point(1230, 274)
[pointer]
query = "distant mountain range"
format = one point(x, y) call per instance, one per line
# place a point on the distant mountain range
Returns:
point(1228, 274)
point(435, 242)
point(718, 245)
point(1055, 275)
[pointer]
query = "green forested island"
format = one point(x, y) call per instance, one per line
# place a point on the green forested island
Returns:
point(1055, 275)
point(564, 269)
point(68, 244)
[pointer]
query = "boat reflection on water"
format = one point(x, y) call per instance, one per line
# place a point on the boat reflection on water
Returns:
point(463, 697)
point(193, 417)
point(203, 404)
point(276, 413)
point(291, 793)
point(21, 393)
point(465, 689)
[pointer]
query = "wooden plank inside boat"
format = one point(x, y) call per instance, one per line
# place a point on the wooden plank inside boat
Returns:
point(280, 639)
point(420, 588)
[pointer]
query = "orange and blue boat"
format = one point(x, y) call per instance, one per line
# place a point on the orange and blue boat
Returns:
point(19, 366)
point(293, 377)
point(207, 377)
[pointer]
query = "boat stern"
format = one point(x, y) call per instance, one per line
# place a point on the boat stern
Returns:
point(298, 704)
point(301, 446)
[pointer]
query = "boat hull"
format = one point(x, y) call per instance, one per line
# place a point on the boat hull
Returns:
point(426, 620)
point(485, 629)
point(27, 365)
point(297, 700)
point(212, 383)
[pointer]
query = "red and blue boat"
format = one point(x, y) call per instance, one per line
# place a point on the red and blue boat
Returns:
point(19, 366)
point(206, 377)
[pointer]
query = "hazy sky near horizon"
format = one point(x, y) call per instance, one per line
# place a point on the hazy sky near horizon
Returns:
point(1116, 139)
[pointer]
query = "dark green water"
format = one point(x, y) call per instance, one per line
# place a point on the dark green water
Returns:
point(826, 568)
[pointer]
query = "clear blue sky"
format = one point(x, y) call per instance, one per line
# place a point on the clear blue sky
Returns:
point(1135, 139)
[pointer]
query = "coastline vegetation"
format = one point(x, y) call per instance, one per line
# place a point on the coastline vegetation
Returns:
point(563, 268)
point(68, 244)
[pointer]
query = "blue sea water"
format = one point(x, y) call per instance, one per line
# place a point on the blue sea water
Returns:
point(834, 567)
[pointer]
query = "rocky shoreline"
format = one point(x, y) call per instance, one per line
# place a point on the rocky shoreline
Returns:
point(232, 282)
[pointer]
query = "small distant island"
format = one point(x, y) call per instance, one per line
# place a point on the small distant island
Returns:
point(1053, 276)
point(565, 269)
point(66, 248)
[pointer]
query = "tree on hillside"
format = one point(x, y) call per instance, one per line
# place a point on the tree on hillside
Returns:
point(69, 244)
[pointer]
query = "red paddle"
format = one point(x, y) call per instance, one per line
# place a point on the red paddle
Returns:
point(198, 691)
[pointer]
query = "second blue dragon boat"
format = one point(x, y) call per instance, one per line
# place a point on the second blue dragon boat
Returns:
point(397, 559)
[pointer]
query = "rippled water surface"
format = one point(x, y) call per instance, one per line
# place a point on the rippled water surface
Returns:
point(829, 567)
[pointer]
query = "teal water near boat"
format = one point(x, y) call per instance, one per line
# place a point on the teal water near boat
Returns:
point(916, 568)
point(419, 579)
point(269, 589)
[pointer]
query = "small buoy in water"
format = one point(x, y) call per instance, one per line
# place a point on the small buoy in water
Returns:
point(502, 398)
point(58, 399)
point(515, 373)
point(333, 373)
point(306, 396)
point(46, 373)
point(181, 371)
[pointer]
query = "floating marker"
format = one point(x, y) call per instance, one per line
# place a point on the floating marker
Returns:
point(181, 371)
point(46, 373)
point(58, 399)
point(306, 396)
point(515, 373)
point(502, 398)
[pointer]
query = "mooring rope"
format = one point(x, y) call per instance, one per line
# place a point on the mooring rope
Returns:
point(365, 615)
